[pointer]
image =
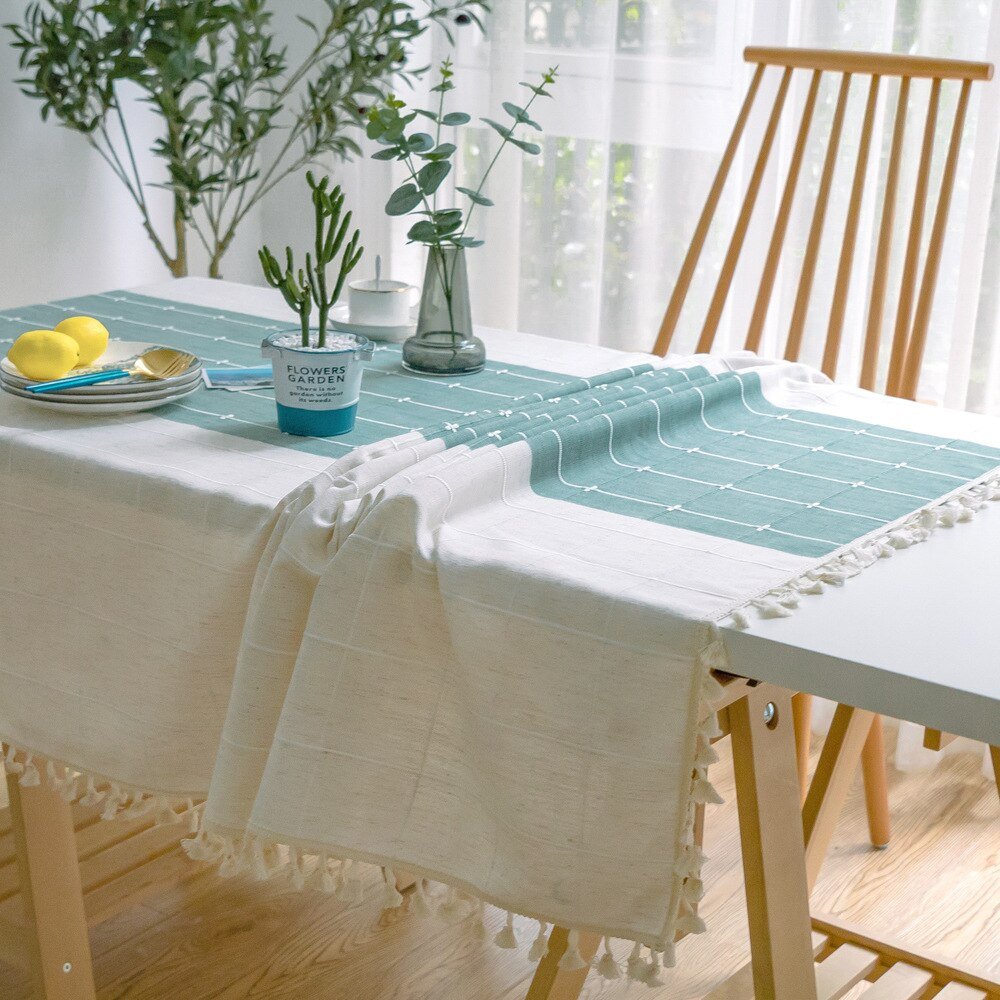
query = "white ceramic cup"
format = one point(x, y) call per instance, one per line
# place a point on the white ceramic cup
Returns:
point(382, 303)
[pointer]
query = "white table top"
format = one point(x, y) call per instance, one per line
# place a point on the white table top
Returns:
point(914, 637)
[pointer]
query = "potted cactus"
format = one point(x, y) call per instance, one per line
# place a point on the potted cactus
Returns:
point(317, 376)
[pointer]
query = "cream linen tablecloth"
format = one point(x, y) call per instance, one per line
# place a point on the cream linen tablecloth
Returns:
point(488, 665)
point(127, 549)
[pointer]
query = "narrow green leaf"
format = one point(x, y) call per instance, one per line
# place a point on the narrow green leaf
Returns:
point(497, 127)
point(519, 115)
point(479, 199)
point(529, 147)
point(456, 118)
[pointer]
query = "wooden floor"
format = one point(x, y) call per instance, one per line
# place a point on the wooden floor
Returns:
point(937, 886)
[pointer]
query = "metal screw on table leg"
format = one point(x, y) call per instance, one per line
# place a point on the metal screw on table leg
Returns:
point(770, 715)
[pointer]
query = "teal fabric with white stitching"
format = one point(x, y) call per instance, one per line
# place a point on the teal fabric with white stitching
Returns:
point(393, 400)
point(683, 447)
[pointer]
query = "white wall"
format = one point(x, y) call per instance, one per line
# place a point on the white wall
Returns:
point(68, 226)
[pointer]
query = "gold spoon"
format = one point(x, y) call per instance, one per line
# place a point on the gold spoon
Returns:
point(158, 364)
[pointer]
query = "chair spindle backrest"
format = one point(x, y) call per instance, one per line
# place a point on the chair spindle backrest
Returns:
point(916, 290)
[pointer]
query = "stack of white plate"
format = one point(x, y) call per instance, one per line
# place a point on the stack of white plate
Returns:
point(125, 395)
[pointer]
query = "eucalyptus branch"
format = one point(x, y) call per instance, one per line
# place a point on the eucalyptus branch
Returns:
point(388, 125)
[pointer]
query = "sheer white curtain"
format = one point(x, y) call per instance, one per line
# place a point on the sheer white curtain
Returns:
point(587, 239)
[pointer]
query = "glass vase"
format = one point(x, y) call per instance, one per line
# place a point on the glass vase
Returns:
point(444, 343)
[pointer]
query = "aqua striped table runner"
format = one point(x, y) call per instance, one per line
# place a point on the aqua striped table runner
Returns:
point(393, 400)
point(714, 456)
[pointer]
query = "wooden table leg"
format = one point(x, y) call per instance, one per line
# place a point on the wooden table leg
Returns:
point(774, 864)
point(51, 891)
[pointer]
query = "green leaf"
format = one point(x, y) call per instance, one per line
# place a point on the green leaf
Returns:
point(385, 154)
point(456, 118)
point(467, 241)
point(446, 216)
point(422, 232)
point(432, 174)
point(420, 142)
point(497, 127)
point(538, 91)
point(447, 221)
point(529, 147)
point(404, 199)
point(479, 199)
point(442, 152)
point(520, 115)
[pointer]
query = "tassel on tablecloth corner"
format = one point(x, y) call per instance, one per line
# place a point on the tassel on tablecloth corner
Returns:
point(419, 903)
point(391, 896)
point(505, 937)
point(635, 963)
point(607, 966)
point(572, 959)
point(541, 943)
point(454, 906)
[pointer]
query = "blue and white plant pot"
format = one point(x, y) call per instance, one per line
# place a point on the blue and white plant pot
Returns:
point(317, 390)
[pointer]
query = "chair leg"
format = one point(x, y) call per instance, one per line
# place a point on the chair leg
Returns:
point(876, 786)
point(802, 719)
point(552, 983)
point(835, 771)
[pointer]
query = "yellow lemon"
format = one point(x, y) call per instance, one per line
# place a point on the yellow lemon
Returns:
point(44, 354)
point(89, 333)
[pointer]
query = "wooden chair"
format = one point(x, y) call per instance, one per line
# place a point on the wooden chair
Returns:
point(915, 294)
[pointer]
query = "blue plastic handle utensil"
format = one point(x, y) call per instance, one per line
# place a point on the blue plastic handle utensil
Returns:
point(68, 383)
point(156, 364)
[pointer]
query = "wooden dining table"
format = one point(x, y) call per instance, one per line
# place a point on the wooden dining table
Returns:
point(914, 637)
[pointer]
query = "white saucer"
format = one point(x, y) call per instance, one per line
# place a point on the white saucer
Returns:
point(340, 320)
point(94, 408)
point(118, 354)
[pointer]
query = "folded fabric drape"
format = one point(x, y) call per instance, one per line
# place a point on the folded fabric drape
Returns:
point(481, 651)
